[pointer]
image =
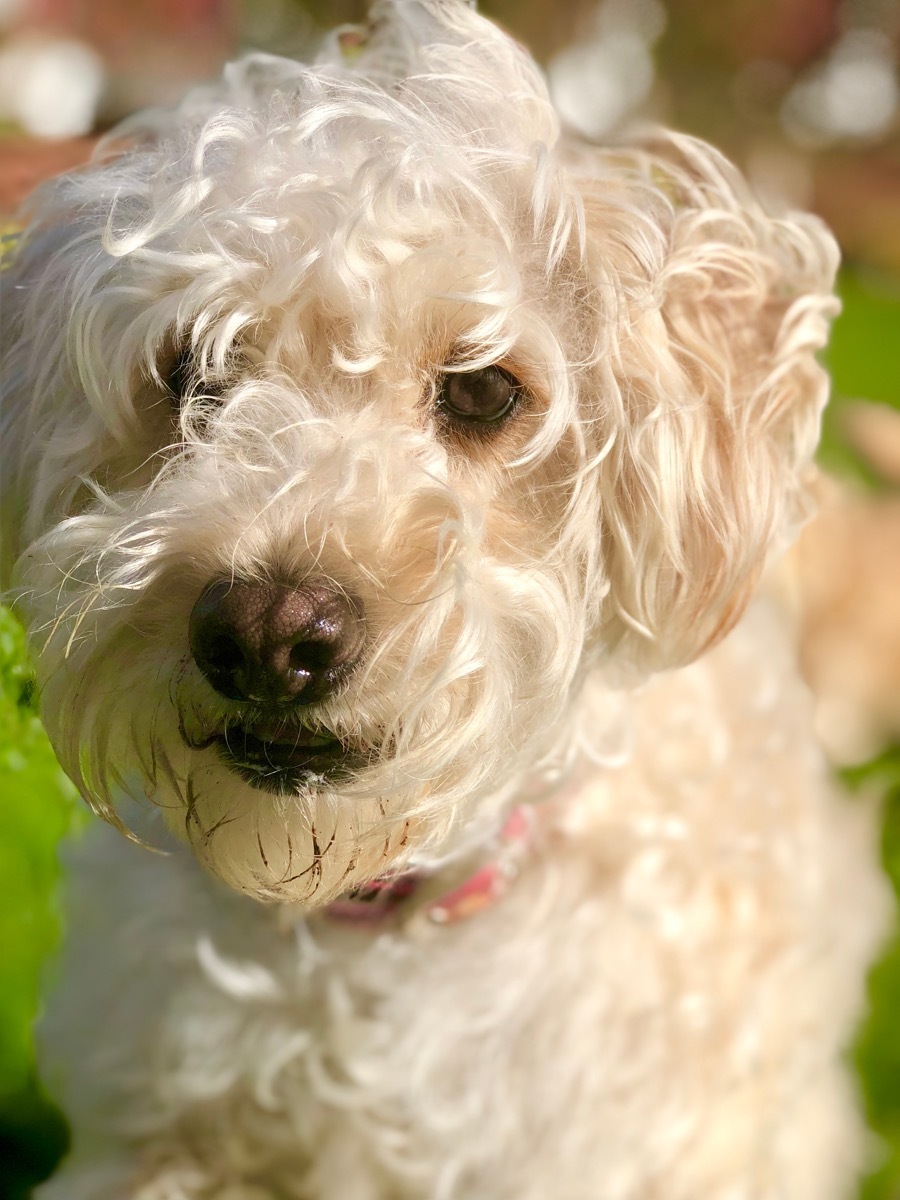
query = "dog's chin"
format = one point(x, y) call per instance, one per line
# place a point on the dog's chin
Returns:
point(282, 756)
point(263, 806)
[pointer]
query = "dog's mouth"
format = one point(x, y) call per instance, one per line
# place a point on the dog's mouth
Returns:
point(280, 755)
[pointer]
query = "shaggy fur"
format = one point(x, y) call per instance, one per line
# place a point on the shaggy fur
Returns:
point(656, 1009)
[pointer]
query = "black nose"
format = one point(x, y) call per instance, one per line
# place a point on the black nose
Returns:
point(272, 644)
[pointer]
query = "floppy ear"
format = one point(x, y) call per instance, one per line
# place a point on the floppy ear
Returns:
point(46, 428)
point(710, 315)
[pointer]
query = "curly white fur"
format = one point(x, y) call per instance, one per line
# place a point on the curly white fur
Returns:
point(327, 240)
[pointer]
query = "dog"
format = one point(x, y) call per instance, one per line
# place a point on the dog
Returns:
point(389, 478)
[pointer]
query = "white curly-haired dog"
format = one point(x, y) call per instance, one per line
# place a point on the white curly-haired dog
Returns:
point(377, 463)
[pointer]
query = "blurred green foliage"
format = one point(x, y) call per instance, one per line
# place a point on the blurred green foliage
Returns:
point(863, 358)
point(36, 810)
point(864, 352)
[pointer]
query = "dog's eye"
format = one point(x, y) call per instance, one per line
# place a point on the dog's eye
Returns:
point(482, 397)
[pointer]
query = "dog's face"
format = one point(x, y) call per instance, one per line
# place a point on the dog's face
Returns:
point(356, 418)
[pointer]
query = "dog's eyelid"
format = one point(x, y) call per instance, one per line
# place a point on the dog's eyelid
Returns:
point(462, 364)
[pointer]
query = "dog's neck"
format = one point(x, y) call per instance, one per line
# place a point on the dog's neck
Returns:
point(453, 894)
point(486, 863)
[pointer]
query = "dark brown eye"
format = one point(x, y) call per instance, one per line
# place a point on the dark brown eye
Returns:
point(482, 397)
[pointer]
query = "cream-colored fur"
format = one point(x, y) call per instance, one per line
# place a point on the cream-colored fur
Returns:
point(658, 1006)
point(844, 580)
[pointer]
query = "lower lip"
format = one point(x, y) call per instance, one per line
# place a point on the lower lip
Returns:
point(281, 766)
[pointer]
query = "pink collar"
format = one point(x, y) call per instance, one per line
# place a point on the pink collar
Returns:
point(375, 903)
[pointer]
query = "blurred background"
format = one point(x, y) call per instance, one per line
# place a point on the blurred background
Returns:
point(805, 95)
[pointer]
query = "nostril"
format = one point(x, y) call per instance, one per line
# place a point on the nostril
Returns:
point(311, 656)
point(223, 653)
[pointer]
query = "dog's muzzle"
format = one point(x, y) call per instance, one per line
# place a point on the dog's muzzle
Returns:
point(281, 650)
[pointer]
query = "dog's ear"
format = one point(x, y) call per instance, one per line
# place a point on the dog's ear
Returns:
point(46, 429)
point(20, 437)
point(706, 395)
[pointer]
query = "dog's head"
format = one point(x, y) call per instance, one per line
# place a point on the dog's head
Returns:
point(352, 416)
